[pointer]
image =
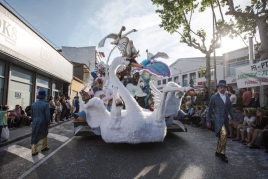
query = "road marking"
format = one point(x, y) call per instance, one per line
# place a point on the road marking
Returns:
point(58, 137)
point(24, 152)
point(44, 159)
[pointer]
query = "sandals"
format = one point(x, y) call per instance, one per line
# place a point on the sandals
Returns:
point(45, 149)
point(33, 154)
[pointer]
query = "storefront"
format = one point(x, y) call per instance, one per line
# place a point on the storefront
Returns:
point(28, 64)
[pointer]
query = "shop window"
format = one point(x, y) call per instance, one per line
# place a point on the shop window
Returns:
point(21, 75)
point(19, 93)
point(56, 89)
point(42, 83)
point(20, 88)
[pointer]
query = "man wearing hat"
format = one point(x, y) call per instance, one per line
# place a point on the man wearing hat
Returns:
point(220, 106)
point(41, 122)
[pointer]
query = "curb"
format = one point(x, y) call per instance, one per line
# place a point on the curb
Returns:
point(27, 135)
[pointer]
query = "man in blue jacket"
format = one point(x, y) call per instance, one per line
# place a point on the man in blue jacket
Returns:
point(41, 122)
point(220, 106)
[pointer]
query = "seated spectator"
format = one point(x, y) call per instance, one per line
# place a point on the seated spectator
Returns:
point(24, 117)
point(15, 113)
point(203, 116)
point(249, 121)
point(255, 101)
point(258, 128)
point(190, 113)
point(196, 117)
point(239, 120)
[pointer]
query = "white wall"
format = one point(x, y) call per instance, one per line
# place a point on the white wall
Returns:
point(85, 55)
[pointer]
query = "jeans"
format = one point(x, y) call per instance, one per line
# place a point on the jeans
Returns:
point(67, 114)
point(76, 110)
point(51, 114)
point(10, 123)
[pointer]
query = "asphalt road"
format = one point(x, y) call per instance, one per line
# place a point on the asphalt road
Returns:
point(181, 155)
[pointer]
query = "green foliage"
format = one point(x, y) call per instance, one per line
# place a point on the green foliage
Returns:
point(176, 17)
point(202, 71)
point(246, 20)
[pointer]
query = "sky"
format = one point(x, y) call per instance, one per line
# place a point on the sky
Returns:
point(81, 23)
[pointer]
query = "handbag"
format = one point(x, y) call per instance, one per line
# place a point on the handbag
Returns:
point(5, 133)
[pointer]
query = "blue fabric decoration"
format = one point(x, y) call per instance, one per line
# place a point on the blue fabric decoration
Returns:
point(81, 114)
point(94, 75)
point(155, 67)
point(41, 120)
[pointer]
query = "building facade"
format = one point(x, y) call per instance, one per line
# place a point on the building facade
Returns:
point(28, 63)
point(186, 71)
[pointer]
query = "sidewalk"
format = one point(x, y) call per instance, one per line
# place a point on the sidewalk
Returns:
point(24, 132)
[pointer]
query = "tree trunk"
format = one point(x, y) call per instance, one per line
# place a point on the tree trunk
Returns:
point(208, 75)
point(261, 23)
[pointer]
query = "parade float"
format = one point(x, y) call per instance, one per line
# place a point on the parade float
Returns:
point(126, 121)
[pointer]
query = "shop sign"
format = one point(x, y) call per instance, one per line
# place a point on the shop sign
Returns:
point(23, 44)
point(252, 75)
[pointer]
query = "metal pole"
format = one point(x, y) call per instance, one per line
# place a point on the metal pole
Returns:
point(250, 50)
point(215, 72)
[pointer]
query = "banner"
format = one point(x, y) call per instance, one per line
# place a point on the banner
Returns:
point(252, 75)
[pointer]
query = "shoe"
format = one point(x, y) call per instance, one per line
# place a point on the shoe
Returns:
point(254, 147)
point(217, 154)
point(224, 158)
point(45, 149)
point(33, 154)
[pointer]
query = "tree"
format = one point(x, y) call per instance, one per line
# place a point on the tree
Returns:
point(249, 20)
point(176, 17)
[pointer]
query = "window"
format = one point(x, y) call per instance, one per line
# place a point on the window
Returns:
point(176, 79)
point(2, 81)
point(164, 81)
point(193, 78)
point(159, 82)
point(169, 79)
point(234, 63)
point(211, 72)
point(184, 80)
point(56, 89)
point(20, 88)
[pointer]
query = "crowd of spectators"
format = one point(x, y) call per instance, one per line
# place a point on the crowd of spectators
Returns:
point(251, 125)
point(61, 108)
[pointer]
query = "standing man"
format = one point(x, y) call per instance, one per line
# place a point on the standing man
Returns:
point(76, 103)
point(220, 106)
point(205, 96)
point(247, 95)
point(41, 122)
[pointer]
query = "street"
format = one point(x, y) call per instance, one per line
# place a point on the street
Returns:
point(181, 155)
